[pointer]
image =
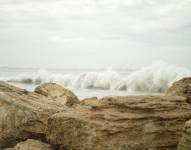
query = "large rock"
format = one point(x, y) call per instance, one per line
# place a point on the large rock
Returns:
point(54, 115)
point(24, 114)
point(185, 142)
point(181, 88)
point(31, 144)
point(57, 92)
point(121, 123)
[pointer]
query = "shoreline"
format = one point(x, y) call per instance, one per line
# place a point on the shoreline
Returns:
point(54, 118)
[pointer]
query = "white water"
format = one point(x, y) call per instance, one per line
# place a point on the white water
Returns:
point(155, 78)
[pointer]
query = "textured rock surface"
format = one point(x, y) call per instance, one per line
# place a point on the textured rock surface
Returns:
point(57, 92)
point(31, 144)
point(185, 142)
point(181, 88)
point(54, 115)
point(24, 114)
point(121, 123)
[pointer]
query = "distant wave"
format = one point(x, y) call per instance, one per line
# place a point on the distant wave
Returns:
point(154, 78)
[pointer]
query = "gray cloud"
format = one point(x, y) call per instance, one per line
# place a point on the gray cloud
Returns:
point(115, 32)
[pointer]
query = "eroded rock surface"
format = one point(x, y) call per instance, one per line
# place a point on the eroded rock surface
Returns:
point(181, 88)
point(31, 144)
point(24, 114)
point(185, 142)
point(57, 92)
point(55, 116)
point(121, 123)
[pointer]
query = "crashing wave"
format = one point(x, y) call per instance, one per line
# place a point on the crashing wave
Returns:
point(155, 78)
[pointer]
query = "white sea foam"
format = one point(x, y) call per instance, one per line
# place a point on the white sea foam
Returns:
point(155, 78)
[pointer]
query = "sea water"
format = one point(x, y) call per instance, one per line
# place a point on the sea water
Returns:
point(153, 79)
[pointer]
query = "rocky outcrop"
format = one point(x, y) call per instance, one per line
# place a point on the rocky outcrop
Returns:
point(181, 88)
point(56, 117)
point(185, 142)
point(58, 93)
point(121, 123)
point(24, 114)
point(31, 144)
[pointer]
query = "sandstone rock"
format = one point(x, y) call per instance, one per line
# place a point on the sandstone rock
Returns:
point(31, 144)
point(57, 92)
point(121, 123)
point(181, 88)
point(90, 101)
point(185, 142)
point(24, 114)
point(110, 123)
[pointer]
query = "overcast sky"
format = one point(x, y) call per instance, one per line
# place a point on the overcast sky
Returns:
point(94, 33)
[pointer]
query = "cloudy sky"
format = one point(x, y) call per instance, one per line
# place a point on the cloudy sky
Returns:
point(94, 33)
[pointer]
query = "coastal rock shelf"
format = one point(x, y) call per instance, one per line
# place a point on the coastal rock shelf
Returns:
point(53, 118)
point(181, 88)
point(24, 114)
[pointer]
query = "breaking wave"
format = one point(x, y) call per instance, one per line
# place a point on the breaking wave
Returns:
point(155, 78)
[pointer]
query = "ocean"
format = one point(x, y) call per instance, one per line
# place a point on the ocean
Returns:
point(152, 80)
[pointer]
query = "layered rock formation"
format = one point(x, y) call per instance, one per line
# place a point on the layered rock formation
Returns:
point(54, 115)
point(181, 88)
point(121, 123)
point(24, 114)
point(185, 141)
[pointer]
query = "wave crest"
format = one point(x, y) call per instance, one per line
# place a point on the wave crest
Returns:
point(155, 78)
